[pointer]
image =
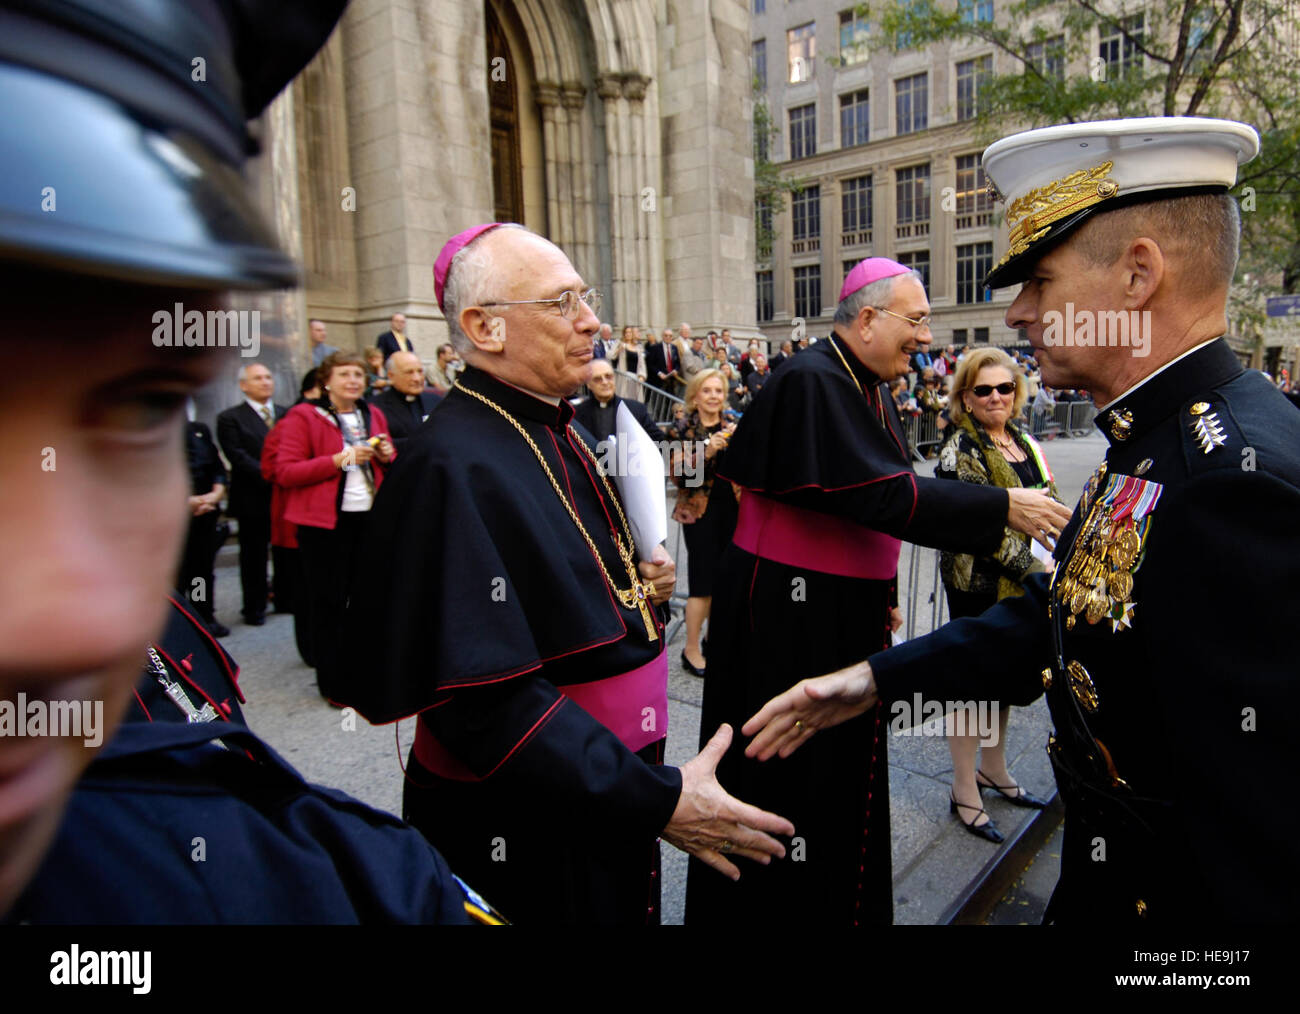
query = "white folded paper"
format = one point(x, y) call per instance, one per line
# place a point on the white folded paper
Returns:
point(639, 476)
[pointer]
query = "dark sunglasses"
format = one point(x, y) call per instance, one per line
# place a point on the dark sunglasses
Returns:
point(984, 390)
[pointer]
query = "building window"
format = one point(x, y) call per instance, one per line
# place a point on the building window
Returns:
point(803, 131)
point(911, 97)
point(801, 46)
point(853, 38)
point(763, 231)
point(758, 57)
point(808, 291)
point(973, 204)
point(959, 336)
point(847, 267)
point(1047, 57)
point(766, 310)
point(1119, 51)
point(974, 261)
point(760, 6)
point(912, 207)
point(975, 10)
point(855, 211)
point(918, 261)
point(981, 335)
point(855, 115)
point(972, 78)
point(806, 212)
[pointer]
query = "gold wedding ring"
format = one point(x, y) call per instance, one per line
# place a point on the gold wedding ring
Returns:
point(726, 846)
point(798, 724)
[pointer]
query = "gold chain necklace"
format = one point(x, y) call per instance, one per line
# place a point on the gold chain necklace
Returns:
point(636, 597)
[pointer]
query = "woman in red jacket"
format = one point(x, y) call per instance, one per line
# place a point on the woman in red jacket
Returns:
point(330, 461)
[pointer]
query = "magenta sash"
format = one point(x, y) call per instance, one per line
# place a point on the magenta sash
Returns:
point(633, 706)
point(802, 538)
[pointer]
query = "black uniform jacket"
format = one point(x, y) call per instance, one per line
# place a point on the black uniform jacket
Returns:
point(1173, 711)
point(167, 827)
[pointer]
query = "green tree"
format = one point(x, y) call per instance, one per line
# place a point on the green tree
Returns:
point(770, 187)
point(1067, 61)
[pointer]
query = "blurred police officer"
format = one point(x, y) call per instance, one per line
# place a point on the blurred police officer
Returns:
point(122, 197)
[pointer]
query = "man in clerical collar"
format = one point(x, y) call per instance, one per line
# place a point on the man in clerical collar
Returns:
point(514, 617)
point(600, 412)
point(1124, 239)
point(406, 404)
point(828, 496)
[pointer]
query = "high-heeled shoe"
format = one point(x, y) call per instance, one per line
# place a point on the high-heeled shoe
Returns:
point(693, 670)
point(988, 831)
point(1021, 798)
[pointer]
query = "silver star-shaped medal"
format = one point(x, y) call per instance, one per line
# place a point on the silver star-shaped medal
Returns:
point(1124, 619)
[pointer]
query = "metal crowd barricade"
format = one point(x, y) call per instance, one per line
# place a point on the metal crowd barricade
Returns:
point(659, 403)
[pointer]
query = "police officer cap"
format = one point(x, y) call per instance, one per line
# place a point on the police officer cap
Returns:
point(1054, 178)
point(125, 130)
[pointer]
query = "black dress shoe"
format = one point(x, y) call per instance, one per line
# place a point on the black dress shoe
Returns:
point(686, 664)
point(988, 831)
point(255, 621)
point(1021, 798)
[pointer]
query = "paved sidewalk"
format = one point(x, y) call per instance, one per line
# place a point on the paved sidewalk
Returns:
point(934, 859)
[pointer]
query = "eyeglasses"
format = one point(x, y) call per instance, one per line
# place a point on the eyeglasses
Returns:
point(567, 301)
point(984, 390)
point(917, 322)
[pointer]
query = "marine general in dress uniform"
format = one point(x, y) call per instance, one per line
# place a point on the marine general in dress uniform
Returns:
point(1163, 639)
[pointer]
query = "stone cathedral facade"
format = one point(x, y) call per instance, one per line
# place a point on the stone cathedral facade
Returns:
point(619, 129)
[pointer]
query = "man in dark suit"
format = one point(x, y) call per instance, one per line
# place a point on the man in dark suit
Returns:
point(406, 404)
point(663, 364)
point(241, 431)
point(599, 411)
point(395, 340)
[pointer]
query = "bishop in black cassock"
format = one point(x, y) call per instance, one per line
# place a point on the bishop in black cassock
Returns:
point(809, 580)
point(509, 619)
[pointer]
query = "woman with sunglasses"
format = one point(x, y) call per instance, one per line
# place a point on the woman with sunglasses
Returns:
point(988, 449)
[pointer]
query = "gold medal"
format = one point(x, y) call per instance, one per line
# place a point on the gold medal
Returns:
point(1120, 585)
point(1085, 691)
point(1098, 606)
point(1127, 544)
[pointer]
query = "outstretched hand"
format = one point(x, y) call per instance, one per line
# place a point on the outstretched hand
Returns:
point(1035, 513)
point(787, 721)
point(711, 824)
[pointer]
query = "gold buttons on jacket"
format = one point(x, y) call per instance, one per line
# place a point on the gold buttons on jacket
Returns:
point(1141, 909)
point(1047, 679)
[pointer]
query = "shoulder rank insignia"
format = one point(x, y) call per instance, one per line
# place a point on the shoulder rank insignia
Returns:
point(1206, 428)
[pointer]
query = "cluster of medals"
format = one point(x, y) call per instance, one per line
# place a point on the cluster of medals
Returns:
point(1097, 582)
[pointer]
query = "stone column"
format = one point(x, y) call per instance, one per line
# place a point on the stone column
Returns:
point(547, 94)
point(573, 96)
point(609, 89)
point(704, 89)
